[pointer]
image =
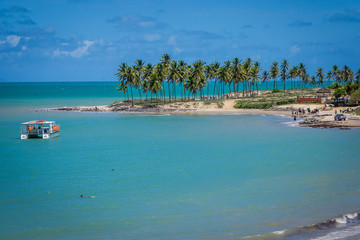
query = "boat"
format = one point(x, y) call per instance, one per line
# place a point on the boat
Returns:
point(39, 129)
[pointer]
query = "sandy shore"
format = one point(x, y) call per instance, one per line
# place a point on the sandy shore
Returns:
point(323, 119)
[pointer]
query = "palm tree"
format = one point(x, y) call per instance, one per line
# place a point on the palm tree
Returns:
point(274, 72)
point(293, 73)
point(313, 80)
point(336, 73)
point(246, 77)
point(320, 76)
point(210, 74)
point(357, 75)
point(160, 73)
point(123, 88)
point(284, 67)
point(165, 60)
point(127, 76)
point(302, 74)
point(348, 74)
point(254, 75)
point(265, 78)
point(197, 77)
point(174, 75)
point(155, 85)
point(138, 71)
point(224, 76)
point(183, 75)
point(237, 73)
point(215, 70)
point(148, 69)
point(329, 76)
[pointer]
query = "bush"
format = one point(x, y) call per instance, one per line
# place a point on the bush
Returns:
point(352, 104)
point(262, 105)
point(283, 102)
point(339, 92)
point(248, 105)
point(275, 90)
point(355, 96)
point(220, 104)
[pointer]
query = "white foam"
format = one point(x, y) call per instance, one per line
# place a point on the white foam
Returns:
point(349, 232)
point(341, 220)
point(279, 232)
point(351, 215)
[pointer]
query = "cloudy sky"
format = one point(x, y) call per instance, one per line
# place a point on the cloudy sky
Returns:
point(85, 40)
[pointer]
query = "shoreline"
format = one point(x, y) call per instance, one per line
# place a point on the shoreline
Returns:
point(322, 119)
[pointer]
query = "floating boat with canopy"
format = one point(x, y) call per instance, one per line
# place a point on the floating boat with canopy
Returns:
point(39, 129)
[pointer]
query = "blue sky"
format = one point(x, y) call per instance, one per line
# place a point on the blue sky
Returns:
point(85, 40)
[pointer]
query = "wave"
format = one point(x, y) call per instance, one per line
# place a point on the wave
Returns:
point(346, 226)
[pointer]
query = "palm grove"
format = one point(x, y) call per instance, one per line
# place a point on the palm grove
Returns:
point(237, 78)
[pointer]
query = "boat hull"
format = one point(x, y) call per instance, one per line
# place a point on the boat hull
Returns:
point(43, 136)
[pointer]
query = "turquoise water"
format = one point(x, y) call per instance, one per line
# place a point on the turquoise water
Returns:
point(168, 176)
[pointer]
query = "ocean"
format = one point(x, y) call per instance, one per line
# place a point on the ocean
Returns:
point(169, 176)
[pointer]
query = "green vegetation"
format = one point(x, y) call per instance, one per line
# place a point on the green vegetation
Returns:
point(355, 96)
point(271, 99)
point(235, 75)
point(262, 105)
point(275, 90)
point(349, 88)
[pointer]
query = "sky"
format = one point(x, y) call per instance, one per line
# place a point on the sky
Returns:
point(85, 40)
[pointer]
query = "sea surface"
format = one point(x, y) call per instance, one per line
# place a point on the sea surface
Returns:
point(168, 176)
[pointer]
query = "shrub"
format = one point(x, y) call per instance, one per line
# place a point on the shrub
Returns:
point(220, 104)
point(355, 96)
point(248, 105)
point(275, 90)
point(339, 92)
point(262, 105)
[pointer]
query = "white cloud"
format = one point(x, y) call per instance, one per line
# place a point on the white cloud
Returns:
point(147, 24)
point(295, 49)
point(177, 50)
point(77, 53)
point(152, 37)
point(172, 40)
point(13, 40)
point(23, 48)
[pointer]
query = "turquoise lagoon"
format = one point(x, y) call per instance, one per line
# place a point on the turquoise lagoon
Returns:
point(168, 176)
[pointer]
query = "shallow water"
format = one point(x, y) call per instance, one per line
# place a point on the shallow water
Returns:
point(170, 176)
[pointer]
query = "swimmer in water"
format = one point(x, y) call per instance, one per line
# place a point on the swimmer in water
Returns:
point(82, 196)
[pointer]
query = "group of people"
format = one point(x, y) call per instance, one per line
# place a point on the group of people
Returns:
point(302, 111)
point(348, 110)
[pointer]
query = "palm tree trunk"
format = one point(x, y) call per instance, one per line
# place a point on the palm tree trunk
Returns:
point(139, 93)
point(284, 85)
point(274, 84)
point(169, 92)
point(174, 90)
point(214, 88)
point(132, 97)
point(243, 88)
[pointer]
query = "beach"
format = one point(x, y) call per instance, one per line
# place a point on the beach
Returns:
point(324, 118)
